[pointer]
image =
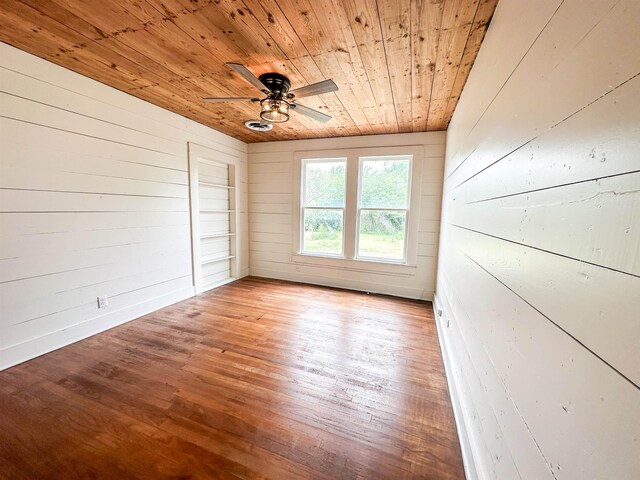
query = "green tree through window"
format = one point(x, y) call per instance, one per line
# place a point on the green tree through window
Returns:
point(383, 207)
point(323, 206)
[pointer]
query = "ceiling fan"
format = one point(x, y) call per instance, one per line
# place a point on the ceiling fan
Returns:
point(278, 99)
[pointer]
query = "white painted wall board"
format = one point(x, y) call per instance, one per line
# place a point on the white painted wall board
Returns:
point(578, 300)
point(498, 63)
point(594, 40)
point(538, 251)
point(559, 156)
point(93, 201)
point(581, 395)
point(271, 221)
point(500, 441)
point(595, 221)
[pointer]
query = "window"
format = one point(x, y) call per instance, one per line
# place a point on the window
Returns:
point(383, 207)
point(359, 207)
point(323, 204)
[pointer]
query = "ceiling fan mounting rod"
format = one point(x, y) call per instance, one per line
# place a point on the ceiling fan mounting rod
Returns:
point(277, 84)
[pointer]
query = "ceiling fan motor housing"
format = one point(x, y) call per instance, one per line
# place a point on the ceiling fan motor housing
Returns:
point(278, 84)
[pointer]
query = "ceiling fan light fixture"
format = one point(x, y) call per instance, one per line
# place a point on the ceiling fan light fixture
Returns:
point(274, 110)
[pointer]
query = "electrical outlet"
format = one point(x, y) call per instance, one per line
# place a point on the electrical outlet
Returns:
point(103, 301)
point(439, 312)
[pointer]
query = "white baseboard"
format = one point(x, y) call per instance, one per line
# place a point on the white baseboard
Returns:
point(346, 283)
point(460, 413)
point(35, 347)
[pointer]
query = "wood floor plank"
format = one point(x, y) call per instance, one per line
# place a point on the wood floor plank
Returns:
point(257, 379)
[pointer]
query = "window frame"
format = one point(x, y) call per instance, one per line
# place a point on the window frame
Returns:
point(349, 259)
point(360, 208)
point(303, 207)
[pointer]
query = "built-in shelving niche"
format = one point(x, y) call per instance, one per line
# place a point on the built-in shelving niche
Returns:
point(214, 217)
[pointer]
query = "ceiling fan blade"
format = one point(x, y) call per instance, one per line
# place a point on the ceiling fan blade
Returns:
point(231, 99)
point(325, 86)
point(248, 76)
point(310, 112)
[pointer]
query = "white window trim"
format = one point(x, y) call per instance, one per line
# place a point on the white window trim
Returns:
point(349, 260)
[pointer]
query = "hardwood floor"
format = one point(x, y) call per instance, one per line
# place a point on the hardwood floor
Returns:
point(257, 379)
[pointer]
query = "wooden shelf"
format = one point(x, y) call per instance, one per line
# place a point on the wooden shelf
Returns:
point(216, 185)
point(217, 234)
point(208, 260)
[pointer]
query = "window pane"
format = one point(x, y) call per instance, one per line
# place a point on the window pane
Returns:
point(385, 182)
point(325, 183)
point(382, 234)
point(323, 231)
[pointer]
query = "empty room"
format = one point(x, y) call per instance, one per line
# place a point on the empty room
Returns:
point(331, 239)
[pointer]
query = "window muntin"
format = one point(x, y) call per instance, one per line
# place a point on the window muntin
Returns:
point(383, 207)
point(323, 206)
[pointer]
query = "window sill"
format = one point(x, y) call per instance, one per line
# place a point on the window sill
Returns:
point(392, 268)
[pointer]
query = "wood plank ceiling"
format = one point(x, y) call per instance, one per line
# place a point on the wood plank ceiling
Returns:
point(400, 64)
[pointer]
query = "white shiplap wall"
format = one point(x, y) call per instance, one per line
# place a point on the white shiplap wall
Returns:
point(93, 201)
point(271, 183)
point(539, 270)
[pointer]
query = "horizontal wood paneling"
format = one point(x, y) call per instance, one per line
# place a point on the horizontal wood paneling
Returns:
point(594, 39)
point(538, 273)
point(271, 183)
point(94, 200)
